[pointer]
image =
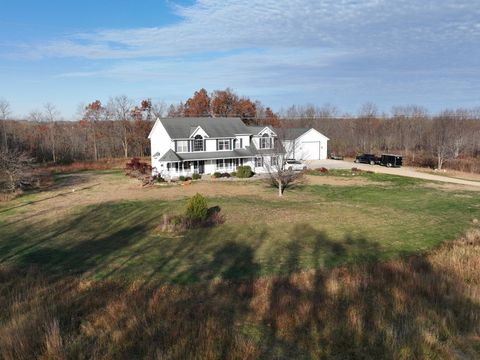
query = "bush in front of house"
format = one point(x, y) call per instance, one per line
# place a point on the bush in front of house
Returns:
point(196, 176)
point(136, 167)
point(197, 208)
point(244, 171)
point(158, 179)
point(225, 175)
point(181, 178)
point(217, 174)
point(233, 173)
point(197, 215)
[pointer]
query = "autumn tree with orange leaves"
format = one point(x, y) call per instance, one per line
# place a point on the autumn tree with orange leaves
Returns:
point(198, 104)
point(93, 114)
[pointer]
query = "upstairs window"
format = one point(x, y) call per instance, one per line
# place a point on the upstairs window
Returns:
point(198, 143)
point(238, 143)
point(266, 142)
point(223, 144)
point(182, 146)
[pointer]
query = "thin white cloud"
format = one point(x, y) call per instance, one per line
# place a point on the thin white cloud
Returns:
point(217, 25)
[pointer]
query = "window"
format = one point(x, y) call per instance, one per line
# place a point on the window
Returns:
point(273, 161)
point(182, 146)
point(220, 164)
point(258, 162)
point(198, 143)
point(238, 143)
point(265, 142)
point(223, 144)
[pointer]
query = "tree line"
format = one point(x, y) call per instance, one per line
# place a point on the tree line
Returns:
point(119, 128)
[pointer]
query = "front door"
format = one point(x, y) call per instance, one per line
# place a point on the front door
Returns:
point(201, 167)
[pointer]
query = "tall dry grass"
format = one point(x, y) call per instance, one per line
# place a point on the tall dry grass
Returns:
point(418, 307)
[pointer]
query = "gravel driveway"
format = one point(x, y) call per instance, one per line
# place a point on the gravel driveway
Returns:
point(403, 171)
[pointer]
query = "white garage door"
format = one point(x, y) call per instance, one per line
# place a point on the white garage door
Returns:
point(310, 150)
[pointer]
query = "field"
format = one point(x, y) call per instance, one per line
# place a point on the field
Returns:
point(347, 265)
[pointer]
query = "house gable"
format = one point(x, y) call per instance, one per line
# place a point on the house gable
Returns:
point(312, 132)
point(267, 130)
point(198, 131)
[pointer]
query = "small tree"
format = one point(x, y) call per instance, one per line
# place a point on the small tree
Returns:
point(197, 208)
point(13, 168)
point(281, 175)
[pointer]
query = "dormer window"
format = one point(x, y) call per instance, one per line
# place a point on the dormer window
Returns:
point(198, 143)
point(266, 141)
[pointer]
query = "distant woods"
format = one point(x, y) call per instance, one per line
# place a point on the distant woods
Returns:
point(119, 128)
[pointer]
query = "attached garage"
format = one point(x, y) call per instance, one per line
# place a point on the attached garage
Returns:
point(304, 144)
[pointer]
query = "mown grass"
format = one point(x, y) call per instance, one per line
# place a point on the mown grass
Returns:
point(387, 179)
point(321, 273)
point(323, 226)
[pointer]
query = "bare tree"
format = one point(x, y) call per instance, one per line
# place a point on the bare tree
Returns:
point(281, 174)
point(159, 109)
point(51, 115)
point(13, 168)
point(4, 114)
point(120, 109)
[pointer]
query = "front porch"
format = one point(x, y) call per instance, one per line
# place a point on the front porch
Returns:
point(174, 169)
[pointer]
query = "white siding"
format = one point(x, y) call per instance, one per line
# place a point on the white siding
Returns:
point(160, 143)
point(312, 145)
point(211, 145)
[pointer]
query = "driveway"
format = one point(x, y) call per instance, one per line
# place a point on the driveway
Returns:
point(403, 171)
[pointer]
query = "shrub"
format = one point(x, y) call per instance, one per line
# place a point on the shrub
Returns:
point(159, 179)
point(244, 171)
point(135, 167)
point(181, 178)
point(233, 173)
point(196, 176)
point(197, 208)
point(225, 175)
point(188, 178)
point(323, 170)
point(217, 175)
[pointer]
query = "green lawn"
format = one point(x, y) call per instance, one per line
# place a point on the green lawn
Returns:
point(313, 226)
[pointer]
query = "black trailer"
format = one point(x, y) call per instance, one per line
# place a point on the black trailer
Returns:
point(391, 160)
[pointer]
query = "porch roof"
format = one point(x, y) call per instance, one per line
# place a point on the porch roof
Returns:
point(209, 155)
point(170, 155)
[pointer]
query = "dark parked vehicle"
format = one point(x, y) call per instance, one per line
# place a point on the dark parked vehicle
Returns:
point(391, 160)
point(367, 159)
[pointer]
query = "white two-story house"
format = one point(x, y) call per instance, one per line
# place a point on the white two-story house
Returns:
point(183, 146)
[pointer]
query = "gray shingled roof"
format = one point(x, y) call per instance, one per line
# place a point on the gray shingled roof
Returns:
point(254, 130)
point(291, 133)
point(170, 155)
point(182, 128)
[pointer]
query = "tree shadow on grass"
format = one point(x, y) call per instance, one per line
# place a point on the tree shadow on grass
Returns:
point(406, 308)
point(72, 181)
point(80, 243)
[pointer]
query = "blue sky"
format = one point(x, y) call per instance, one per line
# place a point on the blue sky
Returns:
point(345, 52)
